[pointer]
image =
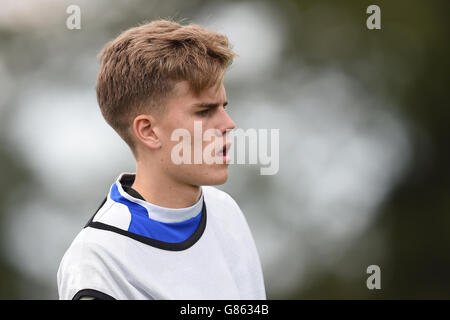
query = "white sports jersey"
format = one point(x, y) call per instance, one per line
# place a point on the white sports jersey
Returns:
point(132, 249)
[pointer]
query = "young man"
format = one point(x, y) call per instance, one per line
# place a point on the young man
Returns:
point(165, 232)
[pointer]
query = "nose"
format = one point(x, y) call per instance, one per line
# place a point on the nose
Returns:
point(226, 123)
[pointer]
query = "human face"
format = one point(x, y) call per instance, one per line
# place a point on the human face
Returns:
point(182, 111)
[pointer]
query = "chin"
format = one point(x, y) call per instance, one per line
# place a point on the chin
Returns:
point(215, 177)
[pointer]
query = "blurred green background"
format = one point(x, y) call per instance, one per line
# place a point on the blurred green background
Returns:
point(364, 139)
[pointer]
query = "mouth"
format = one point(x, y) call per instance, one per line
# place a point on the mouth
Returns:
point(224, 150)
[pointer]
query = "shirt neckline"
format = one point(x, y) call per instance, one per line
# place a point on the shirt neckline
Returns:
point(155, 212)
point(178, 246)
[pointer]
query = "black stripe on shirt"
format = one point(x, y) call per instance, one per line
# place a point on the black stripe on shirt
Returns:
point(95, 294)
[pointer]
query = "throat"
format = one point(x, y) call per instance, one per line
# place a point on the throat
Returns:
point(176, 197)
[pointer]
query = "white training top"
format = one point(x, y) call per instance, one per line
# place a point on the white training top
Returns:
point(132, 249)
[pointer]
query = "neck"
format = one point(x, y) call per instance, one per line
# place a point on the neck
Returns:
point(158, 189)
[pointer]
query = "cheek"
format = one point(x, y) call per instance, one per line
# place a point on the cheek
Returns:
point(191, 128)
point(175, 128)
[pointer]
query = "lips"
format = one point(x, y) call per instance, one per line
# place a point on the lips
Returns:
point(225, 149)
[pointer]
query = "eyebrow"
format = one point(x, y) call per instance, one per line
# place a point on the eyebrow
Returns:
point(208, 105)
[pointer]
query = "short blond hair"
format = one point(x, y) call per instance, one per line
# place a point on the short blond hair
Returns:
point(139, 69)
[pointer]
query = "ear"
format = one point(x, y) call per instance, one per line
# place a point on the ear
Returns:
point(143, 127)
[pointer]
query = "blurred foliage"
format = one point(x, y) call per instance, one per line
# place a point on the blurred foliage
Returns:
point(14, 176)
point(409, 59)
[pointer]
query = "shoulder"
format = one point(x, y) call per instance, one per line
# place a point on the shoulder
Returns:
point(216, 196)
point(218, 201)
point(88, 263)
point(224, 208)
point(231, 227)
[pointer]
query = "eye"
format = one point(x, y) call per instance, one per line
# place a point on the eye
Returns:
point(204, 112)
